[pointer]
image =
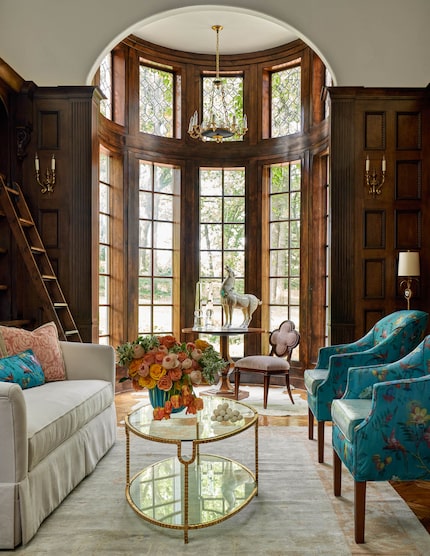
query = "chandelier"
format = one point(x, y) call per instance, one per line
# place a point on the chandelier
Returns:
point(221, 125)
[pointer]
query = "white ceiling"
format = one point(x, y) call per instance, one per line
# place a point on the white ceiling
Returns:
point(191, 31)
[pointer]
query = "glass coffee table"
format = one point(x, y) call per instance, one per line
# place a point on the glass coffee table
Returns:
point(191, 489)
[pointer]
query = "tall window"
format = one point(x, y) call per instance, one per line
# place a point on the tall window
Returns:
point(284, 243)
point(222, 236)
point(105, 247)
point(106, 86)
point(286, 106)
point(156, 94)
point(158, 220)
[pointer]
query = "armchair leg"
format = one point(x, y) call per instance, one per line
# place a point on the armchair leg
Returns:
point(310, 425)
point(266, 389)
point(359, 510)
point(321, 441)
point(337, 474)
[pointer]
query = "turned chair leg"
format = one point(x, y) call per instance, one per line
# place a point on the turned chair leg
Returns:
point(236, 383)
point(337, 474)
point(266, 389)
point(287, 384)
point(310, 425)
point(359, 510)
point(321, 441)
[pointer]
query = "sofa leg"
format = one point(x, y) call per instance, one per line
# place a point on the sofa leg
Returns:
point(310, 425)
point(337, 474)
point(321, 441)
point(359, 510)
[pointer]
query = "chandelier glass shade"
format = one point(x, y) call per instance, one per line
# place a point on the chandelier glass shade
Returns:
point(219, 125)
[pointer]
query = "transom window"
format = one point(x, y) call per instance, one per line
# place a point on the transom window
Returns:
point(156, 107)
point(106, 86)
point(286, 106)
point(105, 247)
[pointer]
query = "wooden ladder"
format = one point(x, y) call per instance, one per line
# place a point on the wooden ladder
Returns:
point(37, 261)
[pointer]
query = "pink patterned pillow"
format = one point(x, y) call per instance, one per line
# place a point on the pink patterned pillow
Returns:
point(44, 343)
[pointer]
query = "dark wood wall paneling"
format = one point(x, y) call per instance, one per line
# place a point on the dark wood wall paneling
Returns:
point(393, 123)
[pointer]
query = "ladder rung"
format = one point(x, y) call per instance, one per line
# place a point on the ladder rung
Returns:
point(48, 277)
point(60, 305)
point(26, 223)
point(12, 191)
point(37, 250)
point(71, 332)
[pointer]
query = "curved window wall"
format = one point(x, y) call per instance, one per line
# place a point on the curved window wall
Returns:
point(190, 207)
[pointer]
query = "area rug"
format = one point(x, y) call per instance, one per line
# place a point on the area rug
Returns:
point(294, 513)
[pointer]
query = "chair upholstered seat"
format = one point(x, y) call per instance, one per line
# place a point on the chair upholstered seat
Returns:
point(263, 363)
point(283, 341)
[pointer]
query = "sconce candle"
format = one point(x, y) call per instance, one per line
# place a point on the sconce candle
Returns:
point(46, 183)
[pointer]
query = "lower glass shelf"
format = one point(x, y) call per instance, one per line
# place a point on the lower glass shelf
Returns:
point(217, 489)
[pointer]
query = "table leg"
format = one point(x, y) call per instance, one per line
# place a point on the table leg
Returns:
point(224, 388)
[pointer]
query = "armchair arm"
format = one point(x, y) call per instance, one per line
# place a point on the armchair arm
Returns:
point(89, 361)
point(13, 434)
point(326, 352)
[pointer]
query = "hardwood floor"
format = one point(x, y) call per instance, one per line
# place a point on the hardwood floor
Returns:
point(415, 493)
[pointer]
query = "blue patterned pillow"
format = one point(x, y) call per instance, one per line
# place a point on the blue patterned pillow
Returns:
point(23, 369)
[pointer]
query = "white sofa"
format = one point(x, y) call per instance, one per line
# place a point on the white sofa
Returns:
point(52, 436)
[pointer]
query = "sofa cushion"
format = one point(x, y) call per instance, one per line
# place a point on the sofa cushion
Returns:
point(44, 343)
point(23, 369)
point(58, 409)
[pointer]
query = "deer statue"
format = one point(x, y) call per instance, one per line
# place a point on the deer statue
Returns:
point(231, 300)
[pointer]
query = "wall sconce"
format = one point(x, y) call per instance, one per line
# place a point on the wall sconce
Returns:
point(409, 267)
point(48, 182)
point(374, 181)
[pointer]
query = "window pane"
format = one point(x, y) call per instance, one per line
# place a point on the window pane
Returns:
point(163, 291)
point(234, 210)
point(103, 289)
point(163, 264)
point(156, 101)
point(286, 101)
point(163, 321)
point(210, 209)
point(163, 235)
point(145, 236)
point(163, 207)
point(145, 205)
point(145, 290)
point(211, 236)
point(106, 86)
point(145, 266)
point(103, 259)
point(234, 236)
point(103, 321)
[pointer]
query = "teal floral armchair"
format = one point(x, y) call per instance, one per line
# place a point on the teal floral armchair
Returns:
point(390, 339)
point(381, 426)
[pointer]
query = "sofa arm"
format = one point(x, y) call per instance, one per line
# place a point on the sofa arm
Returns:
point(13, 434)
point(89, 361)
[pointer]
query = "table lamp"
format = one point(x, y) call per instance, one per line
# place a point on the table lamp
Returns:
point(409, 269)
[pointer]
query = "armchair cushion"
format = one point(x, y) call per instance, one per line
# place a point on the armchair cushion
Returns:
point(313, 378)
point(23, 369)
point(348, 414)
point(44, 343)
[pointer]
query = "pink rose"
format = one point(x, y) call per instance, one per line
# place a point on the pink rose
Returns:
point(170, 361)
point(138, 352)
point(196, 377)
point(175, 374)
point(143, 370)
point(196, 354)
point(186, 364)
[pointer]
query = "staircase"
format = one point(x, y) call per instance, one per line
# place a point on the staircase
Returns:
point(41, 273)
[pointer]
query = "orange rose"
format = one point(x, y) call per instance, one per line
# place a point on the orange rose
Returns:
point(168, 406)
point(175, 374)
point(156, 371)
point(134, 367)
point(165, 383)
point(182, 355)
point(149, 358)
point(167, 341)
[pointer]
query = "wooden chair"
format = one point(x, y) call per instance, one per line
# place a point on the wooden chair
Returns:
point(283, 341)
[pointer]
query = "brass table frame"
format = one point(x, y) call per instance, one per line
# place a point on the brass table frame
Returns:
point(250, 421)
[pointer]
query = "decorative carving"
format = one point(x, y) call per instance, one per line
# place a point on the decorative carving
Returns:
point(23, 136)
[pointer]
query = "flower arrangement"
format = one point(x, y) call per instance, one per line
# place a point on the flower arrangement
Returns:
point(169, 369)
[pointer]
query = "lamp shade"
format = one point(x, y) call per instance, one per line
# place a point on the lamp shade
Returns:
point(409, 264)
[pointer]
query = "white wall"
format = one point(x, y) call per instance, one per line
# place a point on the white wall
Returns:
point(364, 42)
